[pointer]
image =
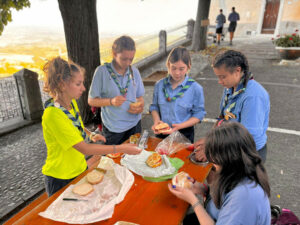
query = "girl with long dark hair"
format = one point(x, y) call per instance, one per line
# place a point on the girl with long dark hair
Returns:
point(239, 189)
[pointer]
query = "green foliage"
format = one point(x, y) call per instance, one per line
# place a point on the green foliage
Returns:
point(288, 40)
point(5, 10)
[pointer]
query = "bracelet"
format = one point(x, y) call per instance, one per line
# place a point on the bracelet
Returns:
point(110, 101)
point(196, 204)
point(114, 149)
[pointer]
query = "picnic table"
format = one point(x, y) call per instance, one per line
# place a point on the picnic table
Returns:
point(145, 203)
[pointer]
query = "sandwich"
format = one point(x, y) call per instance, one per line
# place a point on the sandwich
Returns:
point(154, 160)
point(83, 189)
point(182, 180)
point(95, 177)
point(136, 104)
point(162, 128)
point(114, 155)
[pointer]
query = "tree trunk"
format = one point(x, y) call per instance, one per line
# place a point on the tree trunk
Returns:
point(200, 32)
point(81, 33)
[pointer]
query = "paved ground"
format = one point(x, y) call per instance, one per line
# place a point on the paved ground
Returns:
point(22, 153)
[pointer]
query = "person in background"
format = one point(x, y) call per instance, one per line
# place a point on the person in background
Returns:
point(178, 99)
point(63, 129)
point(239, 191)
point(115, 86)
point(233, 18)
point(220, 20)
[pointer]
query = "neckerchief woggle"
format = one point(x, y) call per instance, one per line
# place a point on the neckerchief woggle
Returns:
point(123, 91)
point(75, 120)
point(188, 83)
point(227, 114)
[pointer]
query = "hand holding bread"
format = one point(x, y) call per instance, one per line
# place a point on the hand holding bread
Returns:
point(136, 107)
point(183, 180)
point(161, 128)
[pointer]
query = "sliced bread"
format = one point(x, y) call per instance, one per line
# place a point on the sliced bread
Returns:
point(83, 189)
point(95, 177)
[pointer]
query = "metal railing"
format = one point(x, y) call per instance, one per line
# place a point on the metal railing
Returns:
point(10, 107)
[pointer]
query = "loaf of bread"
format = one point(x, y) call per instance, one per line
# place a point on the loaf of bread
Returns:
point(83, 189)
point(94, 177)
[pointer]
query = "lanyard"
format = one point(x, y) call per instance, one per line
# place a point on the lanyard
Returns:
point(75, 120)
point(189, 82)
point(124, 90)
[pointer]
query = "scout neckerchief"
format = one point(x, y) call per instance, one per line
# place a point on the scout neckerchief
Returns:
point(180, 93)
point(123, 91)
point(75, 120)
point(227, 114)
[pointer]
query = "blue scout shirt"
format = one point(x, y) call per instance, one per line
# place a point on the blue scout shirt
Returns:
point(191, 104)
point(246, 204)
point(252, 110)
point(117, 119)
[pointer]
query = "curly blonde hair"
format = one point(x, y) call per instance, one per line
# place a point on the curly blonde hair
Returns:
point(57, 71)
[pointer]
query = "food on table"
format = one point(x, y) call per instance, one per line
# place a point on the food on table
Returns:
point(95, 177)
point(114, 155)
point(182, 180)
point(83, 189)
point(133, 139)
point(154, 160)
point(162, 128)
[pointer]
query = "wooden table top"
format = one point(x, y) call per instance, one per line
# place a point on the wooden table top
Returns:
point(145, 203)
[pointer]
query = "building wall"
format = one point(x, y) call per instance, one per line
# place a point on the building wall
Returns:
point(290, 20)
point(251, 15)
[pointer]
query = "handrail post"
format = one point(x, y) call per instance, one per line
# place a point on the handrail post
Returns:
point(190, 29)
point(163, 41)
point(30, 95)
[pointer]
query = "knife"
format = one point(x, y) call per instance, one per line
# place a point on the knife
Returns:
point(74, 199)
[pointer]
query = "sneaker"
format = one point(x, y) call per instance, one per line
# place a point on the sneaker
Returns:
point(230, 43)
point(218, 42)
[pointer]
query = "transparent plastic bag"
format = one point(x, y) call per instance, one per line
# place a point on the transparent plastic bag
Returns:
point(172, 144)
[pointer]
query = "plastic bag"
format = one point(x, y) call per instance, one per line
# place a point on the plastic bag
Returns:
point(172, 144)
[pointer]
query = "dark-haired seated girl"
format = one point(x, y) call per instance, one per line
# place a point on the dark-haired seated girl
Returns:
point(239, 188)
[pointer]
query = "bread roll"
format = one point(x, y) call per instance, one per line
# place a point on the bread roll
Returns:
point(136, 104)
point(181, 180)
point(94, 177)
point(114, 155)
point(154, 160)
point(162, 127)
point(83, 189)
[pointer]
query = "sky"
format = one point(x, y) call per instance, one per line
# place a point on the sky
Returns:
point(114, 16)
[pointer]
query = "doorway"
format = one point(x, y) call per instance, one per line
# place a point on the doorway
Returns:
point(270, 16)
